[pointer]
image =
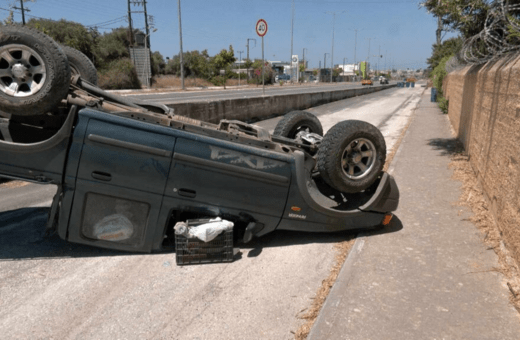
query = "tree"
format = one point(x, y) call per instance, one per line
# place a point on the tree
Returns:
point(222, 61)
point(465, 16)
point(448, 47)
point(111, 46)
point(158, 64)
point(68, 33)
point(196, 64)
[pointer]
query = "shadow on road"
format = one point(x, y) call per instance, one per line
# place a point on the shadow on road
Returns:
point(447, 146)
point(284, 238)
point(22, 237)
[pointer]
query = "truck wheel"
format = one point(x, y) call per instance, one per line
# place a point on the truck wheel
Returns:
point(297, 121)
point(34, 72)
point(80, 65)
point(351, 156)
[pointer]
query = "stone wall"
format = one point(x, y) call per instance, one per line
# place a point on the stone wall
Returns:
point(484, 110)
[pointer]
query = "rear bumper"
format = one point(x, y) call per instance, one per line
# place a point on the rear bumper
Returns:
point(310, 208)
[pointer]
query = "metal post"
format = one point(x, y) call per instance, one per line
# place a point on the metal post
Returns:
point(355, 47)
point(180, 41)
point(130, 24)
point(304, 67)
point(332, 55)
point(145, 66)
point(325, 60)
point(263, 62)
point(292, 30)
point(239, 61)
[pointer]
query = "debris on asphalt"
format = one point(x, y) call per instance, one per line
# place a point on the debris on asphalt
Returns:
point(342, 249)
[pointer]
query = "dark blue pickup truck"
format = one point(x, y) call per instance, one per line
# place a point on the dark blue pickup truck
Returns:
point(126, 172)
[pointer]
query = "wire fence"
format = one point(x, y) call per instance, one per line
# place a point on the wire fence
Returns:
point(501, 34)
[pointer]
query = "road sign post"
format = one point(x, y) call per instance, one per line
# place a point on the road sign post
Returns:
point(261, 30)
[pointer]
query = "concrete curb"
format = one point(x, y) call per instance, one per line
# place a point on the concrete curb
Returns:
point(344, 276)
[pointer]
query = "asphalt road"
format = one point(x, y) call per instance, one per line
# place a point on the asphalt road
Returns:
point(52, 289)
point(208, 95)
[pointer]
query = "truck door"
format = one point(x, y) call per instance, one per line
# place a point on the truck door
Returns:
point(122, 173)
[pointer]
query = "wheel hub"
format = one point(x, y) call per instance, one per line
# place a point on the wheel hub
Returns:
point(19, 71)
point(355, 158)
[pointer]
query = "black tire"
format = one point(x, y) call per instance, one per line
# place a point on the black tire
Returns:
point(28, 56)
point(351, 156)
point(80, 64)
point(296, 121)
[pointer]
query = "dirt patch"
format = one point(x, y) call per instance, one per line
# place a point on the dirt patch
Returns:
point(342, 249)
point(168, 81)
point(12, 184)
point(473, 197)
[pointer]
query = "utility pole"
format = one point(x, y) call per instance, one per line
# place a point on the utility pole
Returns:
point(355, 46)
point(130, 25)
point(304, 67)
point(146, 23)
point(248, 53)
point(180, 41)
point(239, 61)
point(333, 26)
point(292, 31)
point(23, 11)
point(325, 60)
point(248, 47)
point(379, 58)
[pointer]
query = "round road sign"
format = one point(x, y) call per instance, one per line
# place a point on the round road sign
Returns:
point(261, 27)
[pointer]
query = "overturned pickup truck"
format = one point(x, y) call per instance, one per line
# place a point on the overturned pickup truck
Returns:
point(126, 171)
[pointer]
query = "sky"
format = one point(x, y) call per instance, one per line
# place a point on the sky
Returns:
point(403, 32)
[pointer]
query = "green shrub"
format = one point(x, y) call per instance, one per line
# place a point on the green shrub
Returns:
point(437, 77)
point(120, 74)
point(443, 104)
point(218, 80)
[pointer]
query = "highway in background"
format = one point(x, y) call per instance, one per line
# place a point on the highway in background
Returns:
point(235, 93)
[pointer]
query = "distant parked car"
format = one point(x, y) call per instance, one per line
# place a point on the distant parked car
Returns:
point(383, 80)
point(283, 77)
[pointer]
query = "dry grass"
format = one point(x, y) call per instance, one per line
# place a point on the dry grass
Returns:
point(166, 81)
point(342, 250)
point(473, 197)
point(173, 81)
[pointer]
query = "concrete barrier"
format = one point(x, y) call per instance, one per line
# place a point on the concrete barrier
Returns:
point(250, 109)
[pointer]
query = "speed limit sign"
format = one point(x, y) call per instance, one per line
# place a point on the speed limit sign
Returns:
point(261, 27)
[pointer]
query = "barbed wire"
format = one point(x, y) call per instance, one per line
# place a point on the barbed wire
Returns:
point(501, 34)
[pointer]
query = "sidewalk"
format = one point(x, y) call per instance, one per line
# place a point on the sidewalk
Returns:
point(430, 275)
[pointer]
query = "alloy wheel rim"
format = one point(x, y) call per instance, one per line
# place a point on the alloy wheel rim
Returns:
point(22, 71)
point(358, 158)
